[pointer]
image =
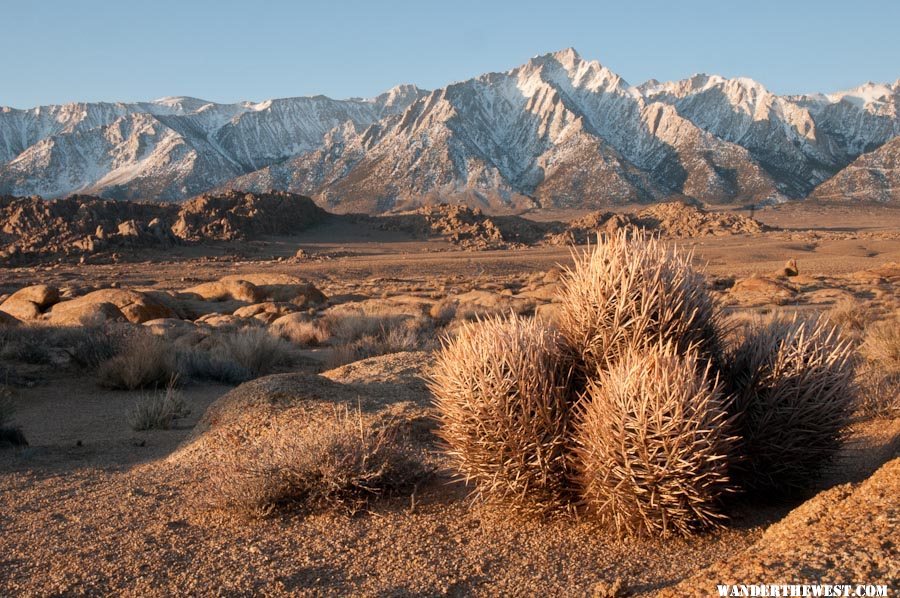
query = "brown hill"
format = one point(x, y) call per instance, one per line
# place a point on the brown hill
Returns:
point(471, 228)
point(32, 227)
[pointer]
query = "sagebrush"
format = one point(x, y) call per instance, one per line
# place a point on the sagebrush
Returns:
point(157, 410)
point(313, 460)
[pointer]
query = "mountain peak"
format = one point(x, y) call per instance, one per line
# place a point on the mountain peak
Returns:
point(184, 102)
point(567, 55)
point(559, 127)
point(568, 58)
point(398, 91)
point(866, 94)
point(397, 98)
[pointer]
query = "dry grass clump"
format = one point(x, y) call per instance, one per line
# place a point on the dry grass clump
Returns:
point(652, 443)
point(198, 364)
point(793, 385)
point(444, 311)
point(42, 344)
point(878, 373)
point(144, 361)
point(157, 410)
point(253, 349)
point(882, 343)
point(501, 387)
point(879, 394)
point(387, 335)
point(349, 325)
point(6, 406)
point(631, 291)
point(93, 345)
point(314, 460)
point(302, 332)
point(851, 316)
point(234, 356)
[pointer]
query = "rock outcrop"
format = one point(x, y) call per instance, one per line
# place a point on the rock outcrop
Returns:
point(31, 227)
point(29, 303)
point(843, 535)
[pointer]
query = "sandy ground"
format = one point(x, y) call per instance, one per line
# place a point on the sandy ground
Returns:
point(92, 508)
point(826, 241)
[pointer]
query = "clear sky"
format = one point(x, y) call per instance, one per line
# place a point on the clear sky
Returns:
point(54, 51)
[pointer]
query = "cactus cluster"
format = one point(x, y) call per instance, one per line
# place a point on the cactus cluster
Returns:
point(630, 408)
point(502, 388)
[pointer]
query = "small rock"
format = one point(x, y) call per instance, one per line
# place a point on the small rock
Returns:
point(790, 268)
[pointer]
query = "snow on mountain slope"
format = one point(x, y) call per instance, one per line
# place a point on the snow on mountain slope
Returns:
point(134, 156)
point(556, 131)
point(57, 150)
point(858, 120)
point(871, 177)
point(781, 135)
point(558, 128)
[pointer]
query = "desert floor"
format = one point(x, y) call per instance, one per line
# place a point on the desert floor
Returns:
point(92, 507)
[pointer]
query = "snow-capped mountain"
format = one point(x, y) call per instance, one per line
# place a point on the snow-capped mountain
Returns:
point(170, 148)
point(874, 176)
point(557, 131)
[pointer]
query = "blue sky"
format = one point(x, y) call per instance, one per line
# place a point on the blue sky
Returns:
point(58, 51)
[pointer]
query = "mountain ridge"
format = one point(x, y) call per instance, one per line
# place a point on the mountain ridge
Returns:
point(556, 131)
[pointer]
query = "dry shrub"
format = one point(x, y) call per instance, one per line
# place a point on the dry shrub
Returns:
point(157, 410)
point(794, 392)
point(406, 333)
point(313, 460)
point(631, 291)
point(881, 344)
point(198, 364)
point(878, 374)
point(851, 316)
point(86, 346)
point(501, 390)
point(305, 333)
point(145, 360)
point(253, 349)
point(652, 443)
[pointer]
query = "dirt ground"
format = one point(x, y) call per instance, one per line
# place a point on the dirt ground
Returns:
point(824, 240)
point(94, 508)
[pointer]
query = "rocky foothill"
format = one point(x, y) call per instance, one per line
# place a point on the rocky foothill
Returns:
point(32, 228)
point(471, 228)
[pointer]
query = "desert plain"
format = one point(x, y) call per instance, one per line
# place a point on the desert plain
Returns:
point(91, 505)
